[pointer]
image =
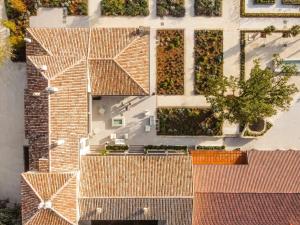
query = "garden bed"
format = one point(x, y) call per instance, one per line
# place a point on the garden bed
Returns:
point(264, 2)
point(188, 122)
point(208, 57)
point(170, 8)
point(291, 2)
point(18, 13)
point(200, 147)
point(170, 62)
point(208, 7)
point(124, 8)
point(177, 149)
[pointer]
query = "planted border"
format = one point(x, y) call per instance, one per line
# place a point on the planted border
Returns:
point(208, 57)
point(208, 7)
point(243, 13)
point(170, 62)
point(188, 122)
point(264, 2)
point(124, 8)
point(170, 8)
point(291, 2)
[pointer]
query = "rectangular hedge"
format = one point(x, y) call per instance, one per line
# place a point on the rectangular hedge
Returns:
point(170, 62)
point(188, 122)
point(291, 2)
point(170, 8)
point(208, 7)
point(124, 8)
point(264, 2)
point(208, 57)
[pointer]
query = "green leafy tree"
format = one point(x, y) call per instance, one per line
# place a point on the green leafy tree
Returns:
point(9, 215)
point(295, 30)
point(259, 97)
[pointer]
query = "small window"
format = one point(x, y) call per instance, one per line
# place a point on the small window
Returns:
point(26, 158)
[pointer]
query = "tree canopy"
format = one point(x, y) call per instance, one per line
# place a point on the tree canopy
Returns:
point(9, 215)
point(259, 97)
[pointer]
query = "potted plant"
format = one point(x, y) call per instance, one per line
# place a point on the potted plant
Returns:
point(267, 31)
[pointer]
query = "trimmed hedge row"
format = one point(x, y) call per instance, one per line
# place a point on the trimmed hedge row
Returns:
point(291, 2)
point(208, 7)
point(243, 13)
point(200, 147)
point(116, 147)
point(124, 8)
point(264, 2)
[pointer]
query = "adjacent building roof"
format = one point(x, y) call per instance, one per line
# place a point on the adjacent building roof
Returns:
point(175, 211)
point(266, 172)
point(246, 209)
point(49, 198)
point(117, 58)
point(136, 176)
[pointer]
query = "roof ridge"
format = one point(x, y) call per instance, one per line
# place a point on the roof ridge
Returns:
point(62, 216)
point(62, 187)
point(76, 62)
point(126, 47)
point(117, 63)
point(46, 49)
point(35, 215)
point(30, 185)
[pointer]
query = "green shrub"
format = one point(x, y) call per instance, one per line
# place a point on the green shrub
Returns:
point(208, 57)
point(264, 2)
point(200, 147)
point(208, 7)
point(291, 2)
point(170, 8)
point(124, 8)
point(188, 121)
point(117, 147)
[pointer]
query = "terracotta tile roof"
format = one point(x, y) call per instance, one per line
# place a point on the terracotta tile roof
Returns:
point(136, 176)
point(56, 65)
point(123, 53)
point(266, 172)
point(246, 209)
point(106, 75)
point(214, 157)
point(57, 189)
point(175, 211)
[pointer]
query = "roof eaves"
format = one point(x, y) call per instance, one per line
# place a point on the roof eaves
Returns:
point(29, 30)
point(32, 188)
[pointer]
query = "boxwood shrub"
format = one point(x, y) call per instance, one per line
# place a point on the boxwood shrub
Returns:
point(264, 2)
point(170, 8)
point(124, 8)
point(188, 122)
point(291, 2)
point(208, 7)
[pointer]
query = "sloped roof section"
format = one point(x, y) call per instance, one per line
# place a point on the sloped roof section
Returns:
point(68, 42)
point(123, 52)
point(246, 208)
point(57, 190)
point(266, 172)
point(108, 78)
point(55, 64)
point(136, 176)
